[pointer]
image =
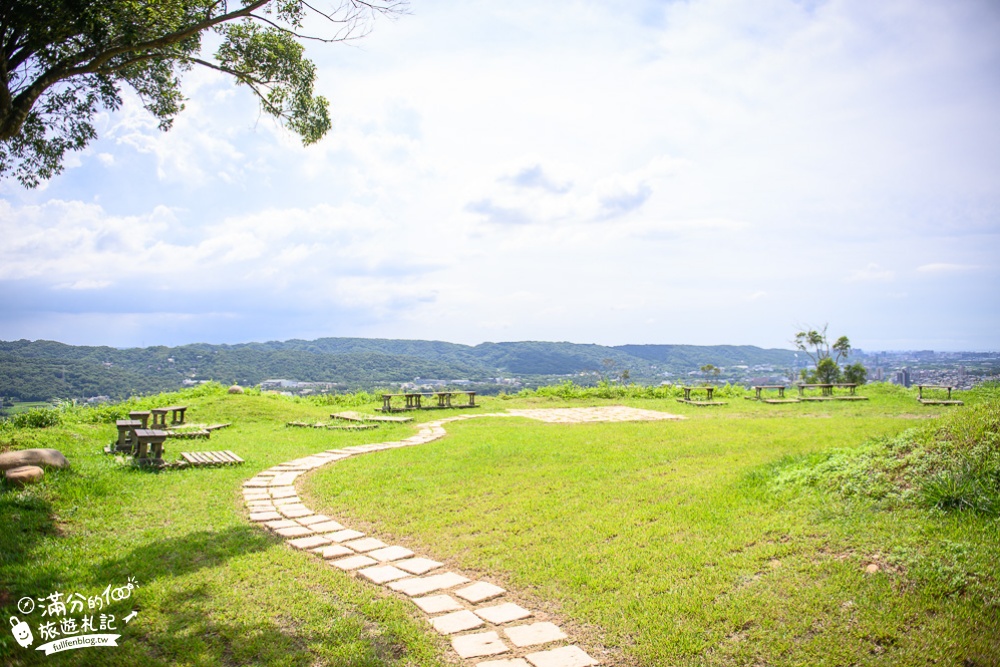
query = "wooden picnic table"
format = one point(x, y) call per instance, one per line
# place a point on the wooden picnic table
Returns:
point(149, 448)
point(176, 416)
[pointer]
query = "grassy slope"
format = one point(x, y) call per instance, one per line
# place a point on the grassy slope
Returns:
point(666, 541)
point(670, 543)
point(213, 589)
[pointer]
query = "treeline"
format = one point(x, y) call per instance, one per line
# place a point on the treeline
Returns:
point(44, 370)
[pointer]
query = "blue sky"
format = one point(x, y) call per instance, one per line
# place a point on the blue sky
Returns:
point(698, 172)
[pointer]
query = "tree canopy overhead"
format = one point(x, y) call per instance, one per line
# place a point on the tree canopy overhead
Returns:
point(63, 61)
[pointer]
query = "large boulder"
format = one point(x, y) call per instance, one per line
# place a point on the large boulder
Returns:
point(236, 389)
point(51, 458)
point(24, 475)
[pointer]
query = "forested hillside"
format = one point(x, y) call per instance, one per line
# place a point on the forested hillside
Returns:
point(43, 370)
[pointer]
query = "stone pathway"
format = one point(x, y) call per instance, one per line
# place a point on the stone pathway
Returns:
point(486, 628)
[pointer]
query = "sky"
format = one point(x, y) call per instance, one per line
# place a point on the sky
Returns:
point(691, 172)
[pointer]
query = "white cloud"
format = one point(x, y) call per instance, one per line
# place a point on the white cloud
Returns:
point(943, 267)
point(871, 273)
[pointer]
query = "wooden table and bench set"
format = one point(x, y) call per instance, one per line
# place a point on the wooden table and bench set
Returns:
point(412, 400)
point(936, 401)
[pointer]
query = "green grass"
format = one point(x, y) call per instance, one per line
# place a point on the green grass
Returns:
point(700, 542)
point(671, 543)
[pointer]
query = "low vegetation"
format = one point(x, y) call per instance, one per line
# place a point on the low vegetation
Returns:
point(823, 534)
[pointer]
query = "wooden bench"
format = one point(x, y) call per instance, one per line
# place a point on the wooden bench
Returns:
point(126, 434)
point(141, 415)
point(827, 393)
point(780, 388)
point(709, 391)
point(444, 398)
point(936, 401)
point(176, 416)
point(149, 446)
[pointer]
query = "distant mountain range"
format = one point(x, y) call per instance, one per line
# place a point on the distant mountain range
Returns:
point(43, 370)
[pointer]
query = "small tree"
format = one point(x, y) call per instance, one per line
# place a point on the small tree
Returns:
point(825, 356)
point(856, 373)
point(712, 370)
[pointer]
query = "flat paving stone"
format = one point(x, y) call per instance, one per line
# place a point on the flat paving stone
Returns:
point(285, 479)
point(295, 511)
point(253, 494)
point(565, 656)
point(381, 574)
point(290, 500)
point(344, 535)
point(260, 505)
point(457, 621)
point(479, 644)
point(435, 604)
point(353, 562)
point(423, 585)
point(264, 516)
point(391, 553)
point(479, 591)
point(333, 551)
point(503, 613)
point(283, 523)
point(535, 633)
point(315, 518)
point(257, 483)
point(294, 531)
point(328, 526)
point(366, 544)
point(513, 662)
point(283, 491)
point(310, 542)
point(418, 565)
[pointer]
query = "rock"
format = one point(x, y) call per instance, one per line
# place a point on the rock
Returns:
point(24, 475)
point(872, 569)
point(51, 458)
point(236, 389)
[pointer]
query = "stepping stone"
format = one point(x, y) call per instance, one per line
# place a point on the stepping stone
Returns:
point(315, 518)
point(435, 604)
point(479, 644)
point(310, 542)
point(382, 573)
point(514, 662)
point(260, 505)
point(457, 621)
point(264, 516)
point(284, 479)
point(324, 526)
point(479, 592)
point(418, 565)
point(422, 585)
point(294, 531)
point(503, 613)
point(252, 494)
point(367, 544)
point(295, 511)
point(283, 491)
point(354, 562)
point(343, 535)
point(566, 656)
point(333, 551)
point(257, 483)
point(283, 523)
point(290, 500)
point(391, 553)
point(536, 633)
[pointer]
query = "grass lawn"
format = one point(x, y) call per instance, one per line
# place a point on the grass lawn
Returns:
point(660, 543)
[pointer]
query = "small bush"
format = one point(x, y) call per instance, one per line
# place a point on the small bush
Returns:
point(35, 418)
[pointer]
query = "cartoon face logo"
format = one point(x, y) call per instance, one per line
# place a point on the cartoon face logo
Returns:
point(22, 633)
